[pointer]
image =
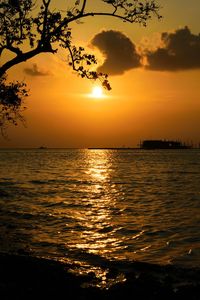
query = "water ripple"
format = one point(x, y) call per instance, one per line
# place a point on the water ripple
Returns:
point(102, 203)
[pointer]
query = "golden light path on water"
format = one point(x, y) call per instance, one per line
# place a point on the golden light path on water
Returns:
point(98, 237)
point(105, 215)
point(104, 218)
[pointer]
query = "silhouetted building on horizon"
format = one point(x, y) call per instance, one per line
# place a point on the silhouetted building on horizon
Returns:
point(163, 144)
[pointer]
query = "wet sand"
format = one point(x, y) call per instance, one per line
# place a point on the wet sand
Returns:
point(27, 277)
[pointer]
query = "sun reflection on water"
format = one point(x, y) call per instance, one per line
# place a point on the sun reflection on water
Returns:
point(99, 234)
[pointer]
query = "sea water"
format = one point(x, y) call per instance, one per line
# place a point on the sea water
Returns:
point(89, 205)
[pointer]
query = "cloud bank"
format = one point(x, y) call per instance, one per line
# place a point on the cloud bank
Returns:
point(180, 51)
point(34, 71)
point(119, 51)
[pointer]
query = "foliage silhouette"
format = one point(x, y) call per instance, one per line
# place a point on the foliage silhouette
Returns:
point(31, 27)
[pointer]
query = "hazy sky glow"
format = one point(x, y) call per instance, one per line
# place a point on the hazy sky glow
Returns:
point(154, 74)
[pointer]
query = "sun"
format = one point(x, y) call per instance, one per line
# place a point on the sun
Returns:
point(97, 92)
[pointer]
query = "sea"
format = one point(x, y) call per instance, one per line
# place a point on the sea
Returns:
point(97, 205)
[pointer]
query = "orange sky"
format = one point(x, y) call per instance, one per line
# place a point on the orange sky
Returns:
point(143, 104)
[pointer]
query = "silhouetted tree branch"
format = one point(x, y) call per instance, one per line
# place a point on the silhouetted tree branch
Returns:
point(11, 103)
point(31, 27)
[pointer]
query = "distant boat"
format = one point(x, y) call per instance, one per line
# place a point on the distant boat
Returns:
point(42, 147)
point(163, 144)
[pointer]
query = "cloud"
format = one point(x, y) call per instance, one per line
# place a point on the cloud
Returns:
point(34, 71)
point(180, 50)
point(119, 51)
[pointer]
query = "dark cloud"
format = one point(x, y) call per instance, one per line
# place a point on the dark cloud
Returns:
point(180, 51)
point(119, 51)
point(34, 71)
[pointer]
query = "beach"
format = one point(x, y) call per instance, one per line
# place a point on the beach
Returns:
point(27, 277)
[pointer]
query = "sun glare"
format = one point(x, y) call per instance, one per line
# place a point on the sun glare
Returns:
point(97, 92)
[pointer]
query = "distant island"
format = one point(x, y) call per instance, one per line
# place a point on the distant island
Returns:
point(163, 144)
point(151, 145)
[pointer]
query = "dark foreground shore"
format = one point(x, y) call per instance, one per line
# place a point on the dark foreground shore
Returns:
point(26, 277)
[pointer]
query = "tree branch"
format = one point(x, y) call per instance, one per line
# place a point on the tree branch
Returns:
point(91, 14)
point(106, 14)
point(18, 59)
point(46, 5)
point(83, 7)
point(14, 50)
point(141, 15)
point(81, 62)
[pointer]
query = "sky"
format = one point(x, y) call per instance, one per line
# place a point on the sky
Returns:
point(154, 72)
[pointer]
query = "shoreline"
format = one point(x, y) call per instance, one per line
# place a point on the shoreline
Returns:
point(29, 277)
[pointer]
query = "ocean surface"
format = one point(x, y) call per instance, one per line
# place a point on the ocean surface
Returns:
point(95, 205)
